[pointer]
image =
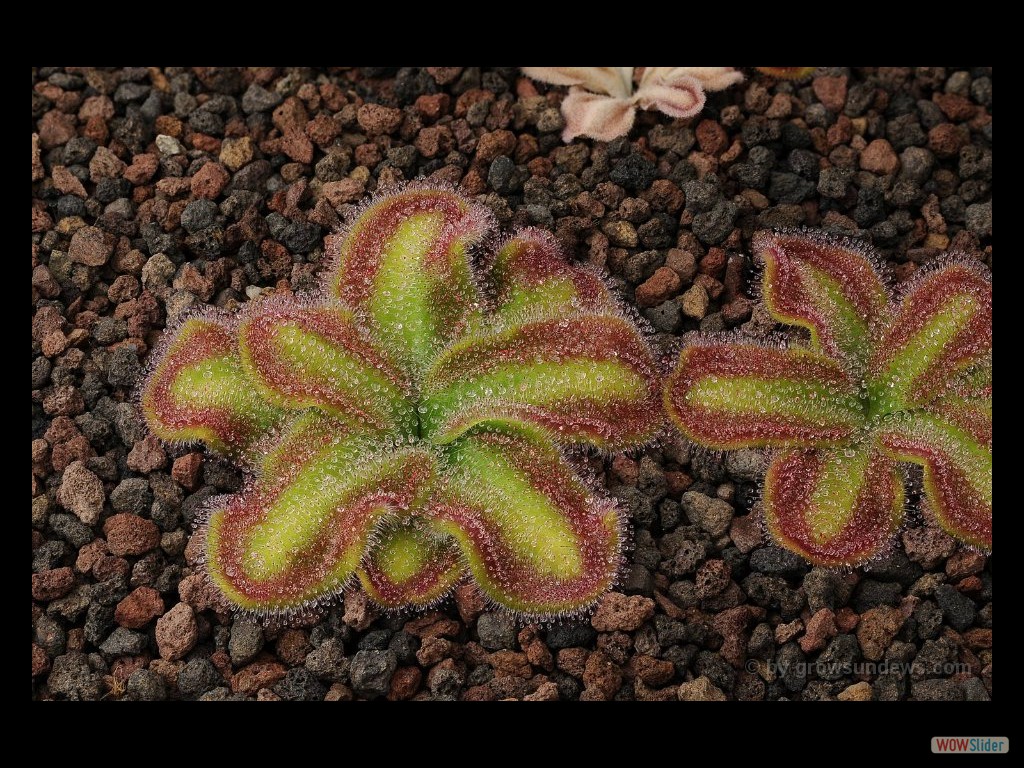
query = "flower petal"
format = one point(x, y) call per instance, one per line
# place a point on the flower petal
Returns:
point(404, 266)
point(315, 356)
point(709, 78)
point(537, 540)
point(613, 81)
point(291, 541)
point(943, 327)
point(532, 280)
point(736, 395)
point(834, 507)
point(829, 285)
point(684, 98)
point(411, 565)
point(955, 449)
point(197, 390)
point(598, 117)
point(583, 378)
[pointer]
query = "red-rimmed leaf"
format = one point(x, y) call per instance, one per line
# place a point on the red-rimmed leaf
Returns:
point(954, 445)
point(197, 390)
point(583, 378)
point(411, 566)
point(828, 285)
point(317, 357)
point(405, 267)
point(943, 328)
point(745, 395)
point(533, 280)
point(537, 540)
point(836, 506)
point(292, 540)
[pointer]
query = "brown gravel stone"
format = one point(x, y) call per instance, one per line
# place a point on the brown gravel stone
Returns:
point(209, 181)
point(965, 562)
point(67, 183)
point(81, 492)
point(105, 165)
point(140, 607)
point(946, 140)
point(377, 119)
point(186, 469)
point(494, 144)
point(659, 287)
point(142, 169)
point(878, 626)
point(55, 128)
point(177, 632)
point(49, 585)
point(701, 689)
point(404, 683)
point(857, 692)
point(511, 663)
point(927, 545)
point(40, 661)
point(695, 302)
point(129, 534)
point(879, 157)
point(602, 678)
point(617, 612)
point(237, 153)
point(653, 672)
point(821, 628)
point(91, 246)
point(259, 674)
point(831, 91)
point(147, 455)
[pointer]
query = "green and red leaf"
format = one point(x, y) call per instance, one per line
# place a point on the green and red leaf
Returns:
point(537, 540)
point(827, 284)
point(198, 391)
point(954, 445)
point(317, 357)
point(942, 329)
point(582, 378)
point(292, 540)
point(405, 266)
point(744, 395)
point(533, 280)
point(836, 506)
point(411, 565)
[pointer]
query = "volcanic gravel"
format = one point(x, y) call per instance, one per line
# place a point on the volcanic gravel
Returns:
point(157, 189)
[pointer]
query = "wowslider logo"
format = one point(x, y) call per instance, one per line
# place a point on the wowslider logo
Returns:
point(972, 745)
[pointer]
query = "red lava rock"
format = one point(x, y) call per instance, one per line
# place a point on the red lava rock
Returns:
point(432, 625)
point(678, 482)
point(712, 578)
point(928, 545)
point(711, 137)
point(404, 683)
point(878, 627)
point(659, 287)
point(38, 171)
point(831, 91)
point(259, 674)
point(682, 262)
point(359, 613)
point(846, 619)
point(479, 693)
point(954, 106)
point(786, 632)
point(652, 671)
point(470, 602)
point(297, 146)
point(434, 140)
point(377, 119)
point(964, 562)
point(625, 469)
point(89, 554)
point(67, 183)
point(495, 144)
point(732, 624)
point(209, 181)
point(617, 612)
point(147, 455)
point(81, 492)
point(177, 632)
point(197, 591)
point(879, 157)
point(946, 140)
point(821, 628)
point(746, 533)
point(139, 608)
point(431, 106)
point(129, 534)
point(54, 344)
point(573, 661)
point(55, 128)
point(105, 165)
point(602, 678)
point(537, 653)
point(185, 470)
point(343, 191)
point(44, 282)
point(545, 692)
point(978, 638)
point(40, 661)
point(714, 262)
point(91, 246)
point(292, 646)
point(64, 400)
point(49, 585)
point(434, 649)
point(142, 169)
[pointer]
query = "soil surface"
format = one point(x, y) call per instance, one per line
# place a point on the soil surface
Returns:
point(157, 189)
